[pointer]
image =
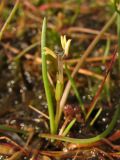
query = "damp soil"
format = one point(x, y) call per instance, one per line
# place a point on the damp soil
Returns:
point(21, 86)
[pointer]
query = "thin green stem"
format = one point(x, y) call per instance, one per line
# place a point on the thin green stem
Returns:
point(67, 129)
point(21, 54)
point(118, 32)
point(107, 49)
point(10, 129)
point(75, 90)
point(9, 19)
point(45, 79)
point(59, 87)
point(117, 8)
point(107, 89)
point(89, 140)
point(57, 113)
point(107, 83)
point(96, 116)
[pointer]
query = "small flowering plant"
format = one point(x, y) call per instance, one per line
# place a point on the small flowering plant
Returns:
point(59, 57)
point(59, 76)
point(59, 82)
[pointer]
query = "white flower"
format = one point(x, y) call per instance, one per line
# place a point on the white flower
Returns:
point(65, 44)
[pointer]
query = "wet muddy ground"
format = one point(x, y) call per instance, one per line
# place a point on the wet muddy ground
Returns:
point(22, 90)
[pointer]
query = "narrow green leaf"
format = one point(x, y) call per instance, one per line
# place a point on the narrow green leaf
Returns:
point(75, 90)
point(67, 129)
point(9, 18)
point(45, 78)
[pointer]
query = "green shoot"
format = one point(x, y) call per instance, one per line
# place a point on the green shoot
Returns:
point(21, 54)
point(10, 129)
point(9, 18)
point(107, 83)
point(107, 49)
point(65, 123)
point(67, 129)
point(96, 116)
point(118, 32)
point(45, 79)
point(116, 4)
point(59, 82)
point(59, 86)
point(89, 140)
point(75, 90)
point(107, 89)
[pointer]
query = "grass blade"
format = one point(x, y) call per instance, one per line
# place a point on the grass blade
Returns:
point(67, 129)
point(9, 18)
point(118, 32)
point(75, 90)
point(96, 116)
point(10, 129)
point(22, 53)
point(45, 79)
point(107, 49)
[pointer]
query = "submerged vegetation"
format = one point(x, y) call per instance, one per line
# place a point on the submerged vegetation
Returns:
point(59, 94)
